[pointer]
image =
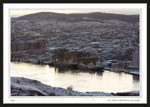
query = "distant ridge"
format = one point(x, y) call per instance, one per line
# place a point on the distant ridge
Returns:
point(79, 16)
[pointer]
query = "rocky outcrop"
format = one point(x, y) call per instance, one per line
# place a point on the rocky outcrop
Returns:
point(29, 87)
point(132, 93)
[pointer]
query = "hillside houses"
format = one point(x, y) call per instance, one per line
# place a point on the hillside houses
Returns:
point(105, 39)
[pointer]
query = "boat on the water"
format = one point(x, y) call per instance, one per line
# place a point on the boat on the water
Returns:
point(90, 67)
point(71, 64)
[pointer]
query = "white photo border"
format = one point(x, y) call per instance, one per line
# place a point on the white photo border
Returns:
point(67, 99)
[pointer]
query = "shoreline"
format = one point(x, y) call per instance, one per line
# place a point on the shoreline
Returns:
point(109, 69)
point(124, 70)
point(29, 87)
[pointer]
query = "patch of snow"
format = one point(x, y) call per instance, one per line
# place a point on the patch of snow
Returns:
point(29, 87)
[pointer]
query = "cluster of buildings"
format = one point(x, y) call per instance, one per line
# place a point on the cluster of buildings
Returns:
point(28, 45)
point(104, 40)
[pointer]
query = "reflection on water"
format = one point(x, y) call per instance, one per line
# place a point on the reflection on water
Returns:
point(136, 78)
point(64, 70)
point(80, 80)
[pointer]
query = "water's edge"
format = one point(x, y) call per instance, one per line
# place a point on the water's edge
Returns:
point(30, 87)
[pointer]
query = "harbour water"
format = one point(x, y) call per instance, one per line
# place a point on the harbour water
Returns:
point(80, 80)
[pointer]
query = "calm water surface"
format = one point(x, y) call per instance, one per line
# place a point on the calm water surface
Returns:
point(80, 80)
